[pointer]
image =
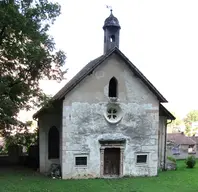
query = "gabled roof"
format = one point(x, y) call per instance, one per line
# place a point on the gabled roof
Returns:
point(95, 63)
point(180, 139)
point(164, 112)
point(195, 138)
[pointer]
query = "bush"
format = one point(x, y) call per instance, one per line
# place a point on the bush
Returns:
point(25, 139)
point(190, 161)
point(171, 159)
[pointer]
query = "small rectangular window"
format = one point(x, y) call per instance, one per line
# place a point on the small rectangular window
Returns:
point(141, 159)
point(81, 161)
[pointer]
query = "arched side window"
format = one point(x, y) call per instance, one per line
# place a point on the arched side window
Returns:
point(53, 143)
point(113, 87)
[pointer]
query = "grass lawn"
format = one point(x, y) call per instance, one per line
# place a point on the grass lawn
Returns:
point(182, 180)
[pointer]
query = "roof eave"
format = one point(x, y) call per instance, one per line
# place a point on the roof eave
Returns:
point(160, 97)
point(167, 113)
point(66, 89)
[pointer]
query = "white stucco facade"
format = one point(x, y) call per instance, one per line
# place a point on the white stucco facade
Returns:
point(85, 132)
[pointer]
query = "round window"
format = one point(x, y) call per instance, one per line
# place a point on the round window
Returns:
point(113, 114)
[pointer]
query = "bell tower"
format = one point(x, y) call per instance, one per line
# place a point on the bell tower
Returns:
point(111, 32)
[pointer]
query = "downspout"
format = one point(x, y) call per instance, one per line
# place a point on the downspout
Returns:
point(164, 166)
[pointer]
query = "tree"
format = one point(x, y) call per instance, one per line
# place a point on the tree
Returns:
point(192, 116)
point(24, 139)
point(27, 55)
point(175, 123)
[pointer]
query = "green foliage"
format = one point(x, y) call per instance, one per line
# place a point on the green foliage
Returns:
point(190, 161)
point(194, 131)
point(25, 139)
point(27, 55)
point(192, 116)
point(171, 159)
point(177, 121)
point(173, 126)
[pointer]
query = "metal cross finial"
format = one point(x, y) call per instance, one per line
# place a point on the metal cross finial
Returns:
point(109, 7)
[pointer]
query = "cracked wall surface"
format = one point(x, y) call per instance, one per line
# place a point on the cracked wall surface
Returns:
point(83, 122)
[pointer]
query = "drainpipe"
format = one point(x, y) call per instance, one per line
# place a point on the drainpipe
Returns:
point(164, 166)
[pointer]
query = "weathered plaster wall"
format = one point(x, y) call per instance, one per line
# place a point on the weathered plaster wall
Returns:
point(46, 121)
point(84, 123)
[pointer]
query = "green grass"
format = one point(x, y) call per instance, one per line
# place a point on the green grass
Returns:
point(182, 180)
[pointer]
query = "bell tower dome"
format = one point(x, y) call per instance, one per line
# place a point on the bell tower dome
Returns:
point(111, 32)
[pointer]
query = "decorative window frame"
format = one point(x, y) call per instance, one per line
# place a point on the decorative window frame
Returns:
point(119, 114)
point(147, 159)
point(81, 155)
point(113, 99)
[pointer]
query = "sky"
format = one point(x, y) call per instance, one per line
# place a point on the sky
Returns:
point(160, 37)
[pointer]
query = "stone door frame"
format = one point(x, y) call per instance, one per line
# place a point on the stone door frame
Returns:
point(112, 145)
